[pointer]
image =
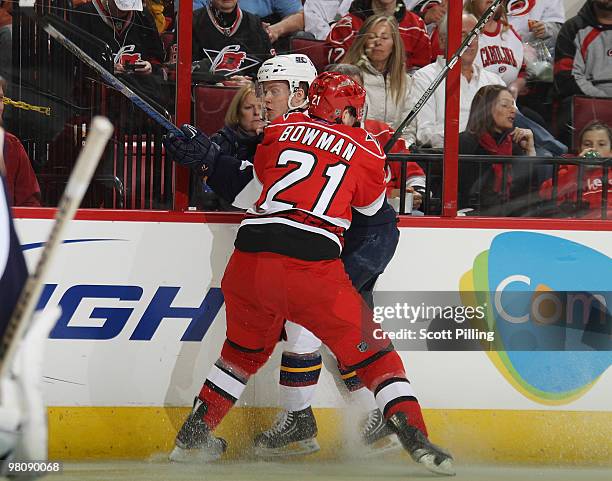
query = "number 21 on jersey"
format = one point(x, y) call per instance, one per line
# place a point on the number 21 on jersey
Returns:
point(304, 190)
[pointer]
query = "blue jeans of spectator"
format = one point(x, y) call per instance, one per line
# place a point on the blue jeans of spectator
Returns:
point(542, 138)
point(545, 144)
point(367, 251)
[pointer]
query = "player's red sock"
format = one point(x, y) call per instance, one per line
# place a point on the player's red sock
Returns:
point(386, 378)
point(218, 406)
point(412, 409)
point(223, 387)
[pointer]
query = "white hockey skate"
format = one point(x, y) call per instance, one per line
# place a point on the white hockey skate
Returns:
point(292, 434)
point(194, 442)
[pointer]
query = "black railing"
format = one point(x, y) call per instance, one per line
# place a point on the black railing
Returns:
point(538, 169)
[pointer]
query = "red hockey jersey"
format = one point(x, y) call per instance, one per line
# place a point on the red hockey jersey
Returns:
point(415, 176)
point(311, 173)
point(592, 187)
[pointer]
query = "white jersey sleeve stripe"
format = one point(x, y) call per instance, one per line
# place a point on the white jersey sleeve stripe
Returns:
point(374, 207)
point(251, 192)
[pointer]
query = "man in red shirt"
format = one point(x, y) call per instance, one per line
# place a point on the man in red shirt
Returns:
point(310, 170)
point(23, 188)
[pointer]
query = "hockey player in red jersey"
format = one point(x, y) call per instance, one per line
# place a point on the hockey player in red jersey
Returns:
point(311, 169)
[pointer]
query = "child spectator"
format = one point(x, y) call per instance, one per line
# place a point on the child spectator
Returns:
point(595, 141)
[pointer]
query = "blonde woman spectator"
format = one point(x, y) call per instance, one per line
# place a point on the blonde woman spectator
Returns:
point(243, 125)
point(411, 27)
point(379, 53)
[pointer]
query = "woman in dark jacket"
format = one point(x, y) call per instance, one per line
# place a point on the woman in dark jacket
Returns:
point(239, 138)
point(490, 131)
point(243, 125)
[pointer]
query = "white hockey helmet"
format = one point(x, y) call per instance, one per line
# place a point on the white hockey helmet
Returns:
point(293, 68)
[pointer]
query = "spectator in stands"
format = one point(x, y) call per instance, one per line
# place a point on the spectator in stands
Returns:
point(431, 11)
point(239, 138)
point(415, 177)
point(157, 7)
point(130, 32)
point(595, 141)
point(582, 58)
point(537, 20)
point(501, 49)
point(228, 40)
point(243, 125)
point(412, 30)
point(428, 128)
point(23, 188)
point(378, 52)
point(490, 131)
point(319, 15)
point(281, 19)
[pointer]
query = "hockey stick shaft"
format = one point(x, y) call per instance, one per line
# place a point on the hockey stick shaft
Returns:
point(87, 161)
point(486, 16)
point(107, 76)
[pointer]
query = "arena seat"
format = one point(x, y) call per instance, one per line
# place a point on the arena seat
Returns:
point(315, 49)
point(585, 109)
point(211, 103)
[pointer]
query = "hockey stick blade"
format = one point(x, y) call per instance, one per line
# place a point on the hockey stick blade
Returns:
point(87, 161)
point(107, 76)
point(443, 74)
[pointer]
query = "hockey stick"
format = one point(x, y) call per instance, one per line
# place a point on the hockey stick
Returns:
point(97, 137)
point(107, 76)
point(486, 16)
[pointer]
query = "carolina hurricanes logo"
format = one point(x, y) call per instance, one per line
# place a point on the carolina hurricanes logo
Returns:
point(230, 59)
point(502, 69)
point(126, 55)
point(610, 53)
point(518, 8)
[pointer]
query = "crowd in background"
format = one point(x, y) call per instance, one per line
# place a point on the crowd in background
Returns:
point(517, 79)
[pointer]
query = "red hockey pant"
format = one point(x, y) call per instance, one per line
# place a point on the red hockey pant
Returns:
point(263, 289)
